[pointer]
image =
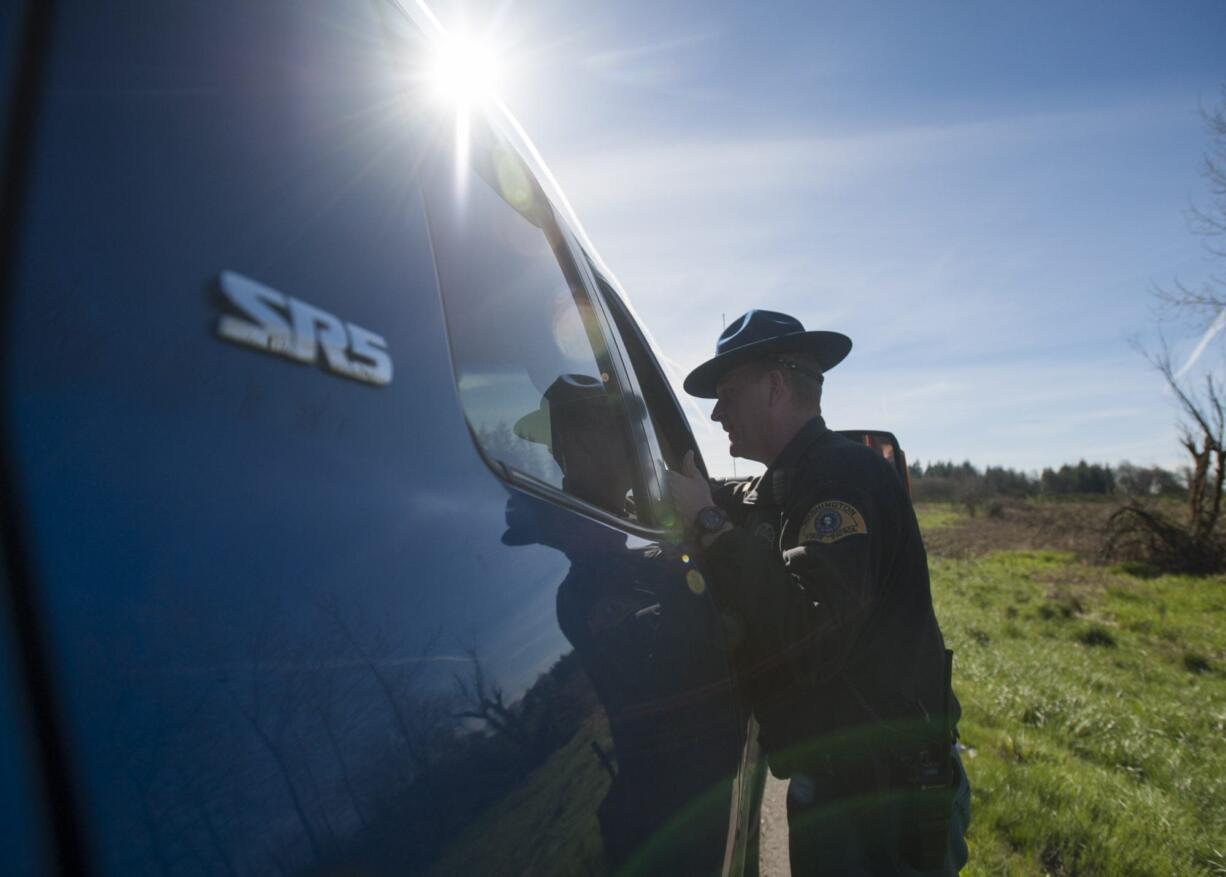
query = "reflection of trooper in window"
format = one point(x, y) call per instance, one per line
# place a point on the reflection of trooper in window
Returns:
point(578, 424)
point(632, 642)
point(820, 563)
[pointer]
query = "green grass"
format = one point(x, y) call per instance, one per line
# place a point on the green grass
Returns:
point(1094, 700)
point(935, 515)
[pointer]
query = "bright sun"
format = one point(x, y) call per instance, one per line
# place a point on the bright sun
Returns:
point(465, 70)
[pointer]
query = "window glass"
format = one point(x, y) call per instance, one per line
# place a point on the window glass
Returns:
point(532, 366)
point(671, 433)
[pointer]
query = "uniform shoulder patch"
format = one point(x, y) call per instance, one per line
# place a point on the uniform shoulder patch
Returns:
point(831, 521)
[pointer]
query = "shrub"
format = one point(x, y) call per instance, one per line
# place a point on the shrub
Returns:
point(1146, 536)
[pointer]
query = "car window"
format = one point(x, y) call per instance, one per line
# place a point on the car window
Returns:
point(670, 431)
point(532, 363)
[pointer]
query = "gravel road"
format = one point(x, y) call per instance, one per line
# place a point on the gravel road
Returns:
point(774, 842)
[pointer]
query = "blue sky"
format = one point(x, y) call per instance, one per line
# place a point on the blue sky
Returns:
point(981, 195)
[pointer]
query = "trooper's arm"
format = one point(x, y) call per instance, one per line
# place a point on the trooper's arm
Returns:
point(806, 608)
point(691, 493)
point(803, 611)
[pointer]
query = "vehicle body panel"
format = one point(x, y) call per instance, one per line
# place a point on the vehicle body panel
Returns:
point(299, 621)
point(275, 612)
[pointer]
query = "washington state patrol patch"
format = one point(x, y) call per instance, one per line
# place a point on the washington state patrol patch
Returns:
point(830, 521)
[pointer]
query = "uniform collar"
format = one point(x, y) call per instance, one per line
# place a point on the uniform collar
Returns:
point(773, 486)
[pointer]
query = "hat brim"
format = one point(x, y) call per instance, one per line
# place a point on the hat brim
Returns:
point(828, 348)
point(535, 427)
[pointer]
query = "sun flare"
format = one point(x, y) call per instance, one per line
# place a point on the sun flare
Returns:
point(464, 70)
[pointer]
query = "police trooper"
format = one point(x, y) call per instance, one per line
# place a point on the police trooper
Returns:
point(821, 574)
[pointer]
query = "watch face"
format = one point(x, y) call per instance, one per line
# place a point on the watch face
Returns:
point(711, 518)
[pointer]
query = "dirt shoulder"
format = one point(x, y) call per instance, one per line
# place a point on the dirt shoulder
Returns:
point(1011, 525)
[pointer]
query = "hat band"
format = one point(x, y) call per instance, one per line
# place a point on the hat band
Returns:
point(797, 367)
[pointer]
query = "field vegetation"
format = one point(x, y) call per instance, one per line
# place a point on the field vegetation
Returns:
point(1093, 696)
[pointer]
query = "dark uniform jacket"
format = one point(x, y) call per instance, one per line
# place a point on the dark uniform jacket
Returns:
point(824, 581)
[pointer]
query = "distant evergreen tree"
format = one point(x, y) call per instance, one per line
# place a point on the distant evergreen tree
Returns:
point(1143, 481)
point(1084, 478)
point(1009, 482)
point(946, 481)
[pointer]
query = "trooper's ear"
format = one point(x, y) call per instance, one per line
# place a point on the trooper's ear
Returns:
point(777, 385)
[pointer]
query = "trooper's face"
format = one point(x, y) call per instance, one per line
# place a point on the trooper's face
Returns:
point(743, 395)
point(592, 452)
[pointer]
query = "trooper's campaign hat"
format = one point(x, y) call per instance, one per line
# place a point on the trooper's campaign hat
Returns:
point(564, 396)
point(570, 400)
point(758, 334)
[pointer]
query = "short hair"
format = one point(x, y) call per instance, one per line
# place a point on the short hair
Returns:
point(802, 374)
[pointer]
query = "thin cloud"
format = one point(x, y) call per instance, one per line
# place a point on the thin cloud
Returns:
point(667, 66)
point(950, 299)
point(1219, 322)
point(715, 165)
point(615, 59)
point(1027, 417)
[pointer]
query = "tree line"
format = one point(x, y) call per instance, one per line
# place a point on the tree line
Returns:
point(963, 482)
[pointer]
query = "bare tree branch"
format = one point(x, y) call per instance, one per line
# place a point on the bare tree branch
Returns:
point(1196, 545)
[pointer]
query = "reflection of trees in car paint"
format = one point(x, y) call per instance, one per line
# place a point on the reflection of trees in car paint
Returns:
point(259, 584)
point(650, 647)
point(653, 652)
point(285, 761)
point(500, 443)
point(539, 816)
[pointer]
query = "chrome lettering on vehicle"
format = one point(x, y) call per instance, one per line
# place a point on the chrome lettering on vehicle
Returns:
point(285, 326)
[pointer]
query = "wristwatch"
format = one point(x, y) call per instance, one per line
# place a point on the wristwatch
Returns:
point(711, 519)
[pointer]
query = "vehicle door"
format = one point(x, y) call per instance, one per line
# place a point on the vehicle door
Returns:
point(557, 407)
point(342, 546)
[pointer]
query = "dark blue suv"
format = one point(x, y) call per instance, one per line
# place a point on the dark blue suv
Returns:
point(334, 534)
point(334, 531)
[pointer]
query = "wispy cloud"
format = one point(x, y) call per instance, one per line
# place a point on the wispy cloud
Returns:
point(1024, 415)
point(1219, 323)
point(988, 325)
point(612, 176)
point(662, 63)
point(615, 58)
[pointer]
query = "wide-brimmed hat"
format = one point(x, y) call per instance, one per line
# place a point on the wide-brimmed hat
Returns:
point(566, 392)
point(757, 334)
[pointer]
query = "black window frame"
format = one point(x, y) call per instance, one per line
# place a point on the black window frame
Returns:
point(664, 412)
point(648, 487)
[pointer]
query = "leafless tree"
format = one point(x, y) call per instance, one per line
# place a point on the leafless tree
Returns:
point(483, 700)
point(268, 713)
point(1194, 545)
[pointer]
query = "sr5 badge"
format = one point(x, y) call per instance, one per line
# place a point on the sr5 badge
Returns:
point(284, 326)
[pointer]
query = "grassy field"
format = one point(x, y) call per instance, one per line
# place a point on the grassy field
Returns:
point(1094, 698)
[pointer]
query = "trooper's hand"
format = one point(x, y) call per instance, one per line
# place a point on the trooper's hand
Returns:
point(689, 489)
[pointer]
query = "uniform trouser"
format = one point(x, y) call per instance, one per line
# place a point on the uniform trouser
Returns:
point(830, 832)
